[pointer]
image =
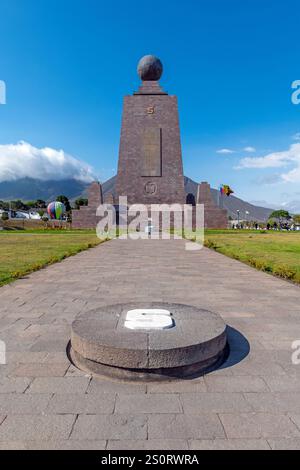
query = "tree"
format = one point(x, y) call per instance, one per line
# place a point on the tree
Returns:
point(18, 205)
point(40, 204)
point(30, 204)
point(4, 216)
point(4, 205)
point(271, 221)
point(296, 218)
point(65, 201)
point(81, 201)
point(280, 215)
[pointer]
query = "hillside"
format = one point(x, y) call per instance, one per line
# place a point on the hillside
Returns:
point(30, 189)
point(232, 203)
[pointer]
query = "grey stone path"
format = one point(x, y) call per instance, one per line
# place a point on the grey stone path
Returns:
point(252, 402)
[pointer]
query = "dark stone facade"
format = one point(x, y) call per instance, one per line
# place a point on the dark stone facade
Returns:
point(86, 217)
point(150, 161)
point(214, 217)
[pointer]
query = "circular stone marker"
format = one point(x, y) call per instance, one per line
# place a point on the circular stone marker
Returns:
point(193, 342)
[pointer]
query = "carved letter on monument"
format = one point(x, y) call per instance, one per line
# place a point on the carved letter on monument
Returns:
point(151, 152)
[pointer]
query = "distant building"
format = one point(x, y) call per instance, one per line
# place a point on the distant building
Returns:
point(32, 214)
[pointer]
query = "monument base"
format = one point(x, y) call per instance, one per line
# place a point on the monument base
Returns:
point(147, 375)
point(215, 218)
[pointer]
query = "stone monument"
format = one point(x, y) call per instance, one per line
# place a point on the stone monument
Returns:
point(150, 161)
point(214, 217)
point(86, 217)
point(148, 341)
point(150, 167)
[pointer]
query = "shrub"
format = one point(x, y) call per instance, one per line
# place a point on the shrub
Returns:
point(211, 244)
point(285, 271)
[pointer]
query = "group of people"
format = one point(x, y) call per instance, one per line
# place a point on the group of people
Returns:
point(268, 226)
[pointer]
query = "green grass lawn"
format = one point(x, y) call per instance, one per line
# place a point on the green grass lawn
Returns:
point(24, 252)
point(274, 252)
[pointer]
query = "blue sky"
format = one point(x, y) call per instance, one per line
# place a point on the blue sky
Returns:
point(68, 64)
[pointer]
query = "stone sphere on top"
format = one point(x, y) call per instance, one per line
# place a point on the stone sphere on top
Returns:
point(150, 68)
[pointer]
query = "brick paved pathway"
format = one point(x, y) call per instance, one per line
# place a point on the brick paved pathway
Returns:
point(251, 402)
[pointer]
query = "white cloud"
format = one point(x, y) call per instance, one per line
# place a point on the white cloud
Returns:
point(225, 151)
point(296, 136)
point(23, 160)
point(277, 160)
point(249, 149)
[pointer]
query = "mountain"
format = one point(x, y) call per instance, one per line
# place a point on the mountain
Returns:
point(232, 203)
point(29, 189)
point(109, 186)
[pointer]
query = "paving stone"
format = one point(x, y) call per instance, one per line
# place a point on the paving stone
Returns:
point(235, 384)
point(283, 384)
point(46, 330)
point(284, 444)
point(59, 385)
point(223, 371)
point(65, 445)
point(110, 427)
point(142, 403)
point(17, 427)
point(22, 313)
point(214, 403)
point(14, 384)
point(165, 271)
point(229, 444)
point(79, 403)
point(72, 371)
point(186, 386)
point(258, 425)
point(98, 385)
point(12, 445)
point(49, 345)
point(269, 402)
point(6, 369)
point(26, 357)
point(2, 418)
point(40, 370)
point(296, 419)
point(60, 357)
point(179, 426)
point(6, 322)
point(152, 444)
point(16, 344)
point(23, 403)
point(261, 367)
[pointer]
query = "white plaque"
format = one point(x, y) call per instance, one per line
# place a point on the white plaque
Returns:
point(149, 319)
